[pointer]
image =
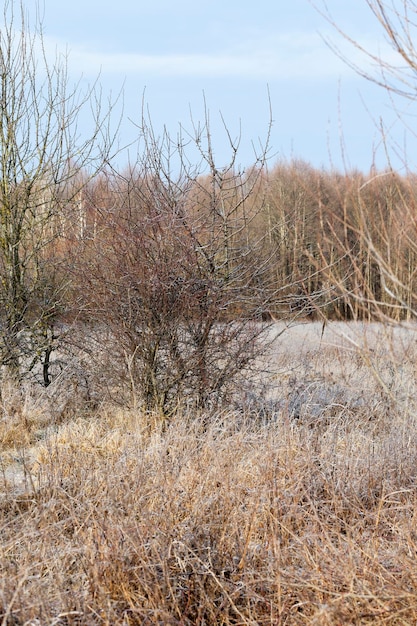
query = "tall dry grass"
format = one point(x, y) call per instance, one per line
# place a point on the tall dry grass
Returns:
point(301, 513)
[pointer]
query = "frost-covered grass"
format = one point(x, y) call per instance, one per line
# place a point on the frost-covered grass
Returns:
point(294, 506)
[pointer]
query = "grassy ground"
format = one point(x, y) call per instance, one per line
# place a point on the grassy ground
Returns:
point(296, 506)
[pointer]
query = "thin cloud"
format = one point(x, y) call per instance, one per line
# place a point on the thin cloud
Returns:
point(297, 56)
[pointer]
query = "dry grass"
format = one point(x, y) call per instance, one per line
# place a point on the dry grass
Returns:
point(291, 517)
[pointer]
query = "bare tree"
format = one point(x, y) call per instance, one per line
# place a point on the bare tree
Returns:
point(382, 224)
point(395, 73)
point(43, 167)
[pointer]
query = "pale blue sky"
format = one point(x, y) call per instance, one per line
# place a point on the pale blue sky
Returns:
point(232, 50)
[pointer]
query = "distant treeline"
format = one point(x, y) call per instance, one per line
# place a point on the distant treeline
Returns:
point(295, 239)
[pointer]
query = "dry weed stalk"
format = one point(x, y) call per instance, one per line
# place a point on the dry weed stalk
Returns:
point(236, 520)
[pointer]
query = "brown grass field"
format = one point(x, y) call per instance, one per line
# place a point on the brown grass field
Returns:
point(296, 506)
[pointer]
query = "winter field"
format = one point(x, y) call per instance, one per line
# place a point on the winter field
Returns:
point(296, 506)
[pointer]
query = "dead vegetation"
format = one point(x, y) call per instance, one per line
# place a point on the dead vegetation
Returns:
point(238, 517)
point(145, 477)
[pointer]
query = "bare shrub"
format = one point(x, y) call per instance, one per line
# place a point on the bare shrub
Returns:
point(176, 274)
